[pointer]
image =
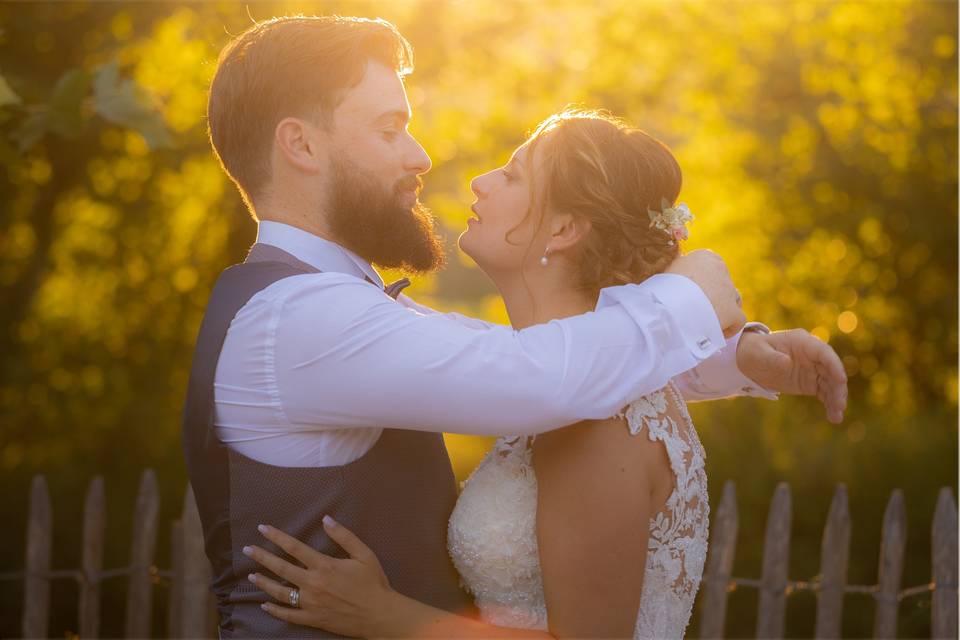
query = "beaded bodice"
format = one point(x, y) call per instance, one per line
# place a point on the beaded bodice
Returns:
point(492, 535)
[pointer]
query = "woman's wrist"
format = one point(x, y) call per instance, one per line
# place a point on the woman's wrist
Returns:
point(386, 611)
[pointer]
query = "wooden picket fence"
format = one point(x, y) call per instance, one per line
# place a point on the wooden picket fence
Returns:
point(831, 584)
point(191, 611)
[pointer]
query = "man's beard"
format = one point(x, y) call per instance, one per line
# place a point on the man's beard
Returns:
point(370, 220)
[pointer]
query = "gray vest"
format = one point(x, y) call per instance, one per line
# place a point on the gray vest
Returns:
point(396, 498)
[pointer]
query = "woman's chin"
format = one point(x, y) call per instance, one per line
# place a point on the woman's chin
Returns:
point(464, 242)
point(467, 247)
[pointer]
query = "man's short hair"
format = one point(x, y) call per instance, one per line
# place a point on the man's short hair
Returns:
point(299, 66)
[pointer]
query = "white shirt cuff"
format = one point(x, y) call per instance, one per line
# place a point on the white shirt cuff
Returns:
point(691, 310)
point(721, 377)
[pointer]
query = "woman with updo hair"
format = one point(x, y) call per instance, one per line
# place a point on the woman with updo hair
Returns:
point(598, 529)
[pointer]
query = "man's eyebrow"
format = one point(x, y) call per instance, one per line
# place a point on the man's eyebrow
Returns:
point(398, 115)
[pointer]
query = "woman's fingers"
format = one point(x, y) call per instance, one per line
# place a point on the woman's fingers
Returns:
point(306, 554)
point(277, 591)
point(346, 539)
point(287, 571)
point(296, 616)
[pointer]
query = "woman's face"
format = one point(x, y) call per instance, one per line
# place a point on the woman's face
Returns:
point(503, 199)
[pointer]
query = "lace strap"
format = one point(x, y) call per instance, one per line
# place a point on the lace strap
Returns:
point(508, 446)
point(648, 412)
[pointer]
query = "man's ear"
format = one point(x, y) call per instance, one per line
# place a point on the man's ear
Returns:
point(567, 230)
point(301, 144)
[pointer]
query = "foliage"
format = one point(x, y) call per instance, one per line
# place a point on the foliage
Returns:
point(819, 146)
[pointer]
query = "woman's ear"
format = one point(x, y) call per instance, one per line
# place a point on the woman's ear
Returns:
point(567, 230)
point(298, 142)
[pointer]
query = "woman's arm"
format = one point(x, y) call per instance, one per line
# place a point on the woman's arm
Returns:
point(409, 618)
point(353, 596)
point(596, 488)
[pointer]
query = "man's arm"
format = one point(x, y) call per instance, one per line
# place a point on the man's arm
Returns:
point(347, 356)
point(466, 321)
point(719, 376)
point(760, 363)
point(716, 377)
point(760, 354)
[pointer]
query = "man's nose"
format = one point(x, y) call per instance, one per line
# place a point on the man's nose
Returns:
point(417, 160)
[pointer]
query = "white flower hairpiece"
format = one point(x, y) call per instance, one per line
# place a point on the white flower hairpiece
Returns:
point(673, 220)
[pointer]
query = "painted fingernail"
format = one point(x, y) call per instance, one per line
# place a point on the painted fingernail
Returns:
point(252, 578)
point(262, 528)
point(265, 607)
point(327, 520)
point(247, 550)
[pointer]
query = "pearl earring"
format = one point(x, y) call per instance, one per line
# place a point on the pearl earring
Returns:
point(543, 260)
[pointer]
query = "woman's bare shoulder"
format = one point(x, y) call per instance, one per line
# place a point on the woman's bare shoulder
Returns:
point(597, 441)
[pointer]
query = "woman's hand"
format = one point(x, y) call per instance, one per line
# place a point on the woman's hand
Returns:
point(339, 595)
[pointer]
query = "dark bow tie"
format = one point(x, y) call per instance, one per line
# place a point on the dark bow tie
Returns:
point(394, 288)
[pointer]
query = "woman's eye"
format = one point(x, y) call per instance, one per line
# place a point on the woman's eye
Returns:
point(390, 135)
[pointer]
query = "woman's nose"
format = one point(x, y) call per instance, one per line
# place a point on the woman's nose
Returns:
point(478, 186)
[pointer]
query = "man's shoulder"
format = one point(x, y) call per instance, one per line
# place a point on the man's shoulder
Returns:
point(313, 295)
point(323, 283)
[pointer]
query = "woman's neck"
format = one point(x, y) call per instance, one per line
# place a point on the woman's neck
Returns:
point(542, 300)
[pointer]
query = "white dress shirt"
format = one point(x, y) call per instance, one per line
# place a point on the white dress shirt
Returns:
point(315, 366)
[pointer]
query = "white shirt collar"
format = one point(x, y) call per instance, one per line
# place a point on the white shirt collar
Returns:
point(316, 251)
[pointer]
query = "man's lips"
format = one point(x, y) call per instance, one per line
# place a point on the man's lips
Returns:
point(411, 186)
point(475, 214)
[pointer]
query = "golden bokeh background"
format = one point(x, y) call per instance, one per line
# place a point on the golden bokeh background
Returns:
point(819, 148)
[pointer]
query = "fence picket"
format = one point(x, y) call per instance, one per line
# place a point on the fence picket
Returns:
point(174, 628)
point(776, 552)
point(140, 593)
point(36, 583)
point(94, 521)
point(722, 549)
point(834, 557)
point(196, 595)
point(944, 571)
point(893, 541)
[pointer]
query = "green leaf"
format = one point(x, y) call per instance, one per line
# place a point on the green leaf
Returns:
point(66, 115)
point(32, 129)
point(123, 102)
point(63, 115)
point(7, 96)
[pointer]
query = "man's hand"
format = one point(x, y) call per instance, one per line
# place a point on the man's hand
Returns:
point(710, 272)
point(797, 363)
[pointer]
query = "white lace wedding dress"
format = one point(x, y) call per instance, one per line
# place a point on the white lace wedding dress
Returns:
point(492, 534)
